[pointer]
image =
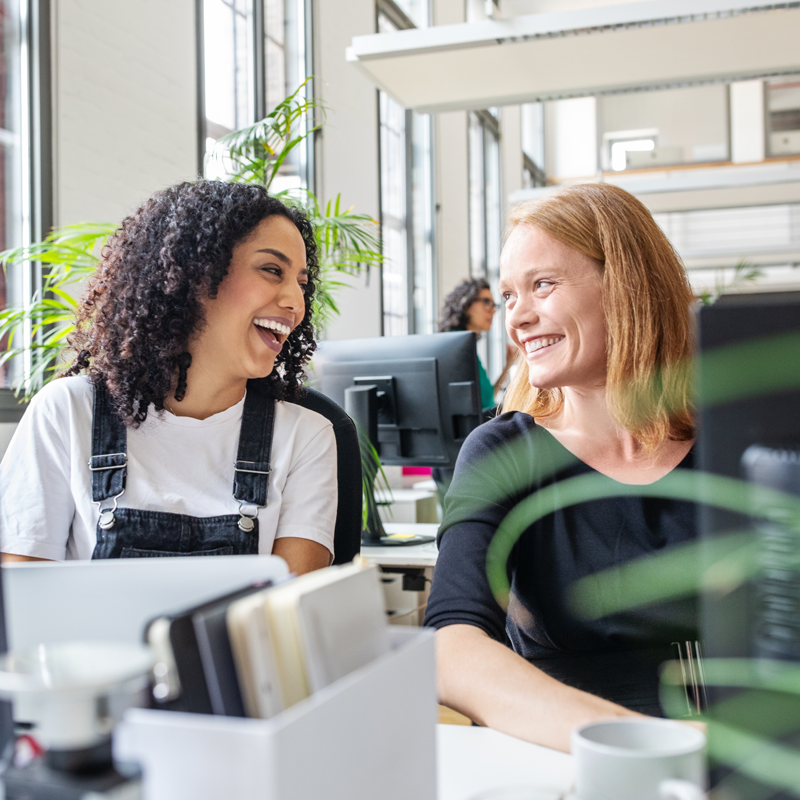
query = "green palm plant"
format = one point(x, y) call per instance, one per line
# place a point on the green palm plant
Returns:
point(37, 332)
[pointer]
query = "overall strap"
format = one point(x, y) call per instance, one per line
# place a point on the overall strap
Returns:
point(109, 459)
point(251, 471)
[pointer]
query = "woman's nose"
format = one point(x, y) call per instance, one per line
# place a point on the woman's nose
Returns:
point(293, 295)
point(292, 298)
point(521, 314)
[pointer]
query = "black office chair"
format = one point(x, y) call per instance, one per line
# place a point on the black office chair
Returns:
point(347, 534)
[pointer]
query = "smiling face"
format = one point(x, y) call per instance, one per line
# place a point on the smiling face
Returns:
point(481, 312)
point(258, 304)
point(554, 313)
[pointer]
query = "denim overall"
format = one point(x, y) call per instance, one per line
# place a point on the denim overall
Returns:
point(133, 533)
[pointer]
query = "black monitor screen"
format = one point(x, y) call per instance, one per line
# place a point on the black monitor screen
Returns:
point(749, 430)
point(427, 387)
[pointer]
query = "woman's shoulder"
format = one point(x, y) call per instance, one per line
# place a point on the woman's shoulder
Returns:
point(307, 422)
point(500, 430)
point(62, 394)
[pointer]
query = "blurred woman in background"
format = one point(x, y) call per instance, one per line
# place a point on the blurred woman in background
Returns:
point(471, 307)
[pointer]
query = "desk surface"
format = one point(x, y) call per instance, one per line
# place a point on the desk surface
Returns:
point(412, 555)
point(474, 760)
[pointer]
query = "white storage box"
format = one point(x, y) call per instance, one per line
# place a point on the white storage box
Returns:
point(370, 735)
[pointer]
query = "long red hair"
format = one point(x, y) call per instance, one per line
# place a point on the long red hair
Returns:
point(648, 309)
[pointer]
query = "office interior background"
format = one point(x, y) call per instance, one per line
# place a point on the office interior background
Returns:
point(106, 101)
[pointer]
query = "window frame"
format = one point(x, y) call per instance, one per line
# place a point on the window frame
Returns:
point(490, 347)
point(258, 79)
point(36, 154)
point(411, 232)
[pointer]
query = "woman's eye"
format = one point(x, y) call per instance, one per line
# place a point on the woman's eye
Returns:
point(544, 286)
point(305, 287)
point(507, 297)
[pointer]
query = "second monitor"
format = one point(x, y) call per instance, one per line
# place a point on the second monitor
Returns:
point(416, 398)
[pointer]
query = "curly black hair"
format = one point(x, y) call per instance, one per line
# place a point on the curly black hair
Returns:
point(456, 304)
point(145, 299)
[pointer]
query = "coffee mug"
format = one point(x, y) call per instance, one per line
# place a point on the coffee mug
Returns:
point(639, 759)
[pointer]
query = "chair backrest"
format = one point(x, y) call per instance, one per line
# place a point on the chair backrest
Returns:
point(347, 534)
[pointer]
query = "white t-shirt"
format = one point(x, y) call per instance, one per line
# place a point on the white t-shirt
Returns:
point(175, 464)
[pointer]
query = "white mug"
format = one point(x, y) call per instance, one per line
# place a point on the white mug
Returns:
point(639, 759)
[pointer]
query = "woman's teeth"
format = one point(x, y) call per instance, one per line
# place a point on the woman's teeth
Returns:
point(537, 344)
point(283, 330)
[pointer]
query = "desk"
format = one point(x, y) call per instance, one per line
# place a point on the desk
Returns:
point(411, 555)
point(474, 760)
point(405, 564)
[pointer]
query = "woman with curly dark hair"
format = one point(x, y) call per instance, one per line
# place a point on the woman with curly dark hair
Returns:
point(470, 307)
point(194, 328)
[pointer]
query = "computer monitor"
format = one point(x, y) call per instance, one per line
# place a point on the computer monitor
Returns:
point(416, 398)
point(749, 429)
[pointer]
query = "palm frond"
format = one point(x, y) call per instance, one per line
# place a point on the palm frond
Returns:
point(256, 153)
point(744, 272)
point(68, 255)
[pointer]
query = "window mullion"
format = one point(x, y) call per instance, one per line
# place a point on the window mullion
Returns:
point(410, 244)
point(259, 60)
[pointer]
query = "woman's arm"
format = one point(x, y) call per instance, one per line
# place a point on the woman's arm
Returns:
point(304, 538)
point(12, 558)
point(497, 688)
point(302, 555)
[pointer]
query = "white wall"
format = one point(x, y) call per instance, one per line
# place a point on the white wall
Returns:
point(571, 131)
point(347, 146)
point(747, 121)
point(125, 87)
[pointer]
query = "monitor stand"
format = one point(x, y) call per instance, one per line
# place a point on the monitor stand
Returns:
point(361, 403)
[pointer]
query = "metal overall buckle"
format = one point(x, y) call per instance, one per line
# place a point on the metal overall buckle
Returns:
point(247, 521)
point(107, 519)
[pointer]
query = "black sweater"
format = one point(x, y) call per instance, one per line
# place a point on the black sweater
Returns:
point(616, 656)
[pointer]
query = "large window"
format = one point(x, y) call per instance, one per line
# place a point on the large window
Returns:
point(11, 214)
point(485, 222)
point(25, 161)
point(407, 214)
point(254, 55)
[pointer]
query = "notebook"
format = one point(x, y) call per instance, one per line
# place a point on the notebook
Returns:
point(254, 656)
point(191, 672)
point(292, 640)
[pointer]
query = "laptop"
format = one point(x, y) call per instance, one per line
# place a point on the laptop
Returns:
point(113, 599)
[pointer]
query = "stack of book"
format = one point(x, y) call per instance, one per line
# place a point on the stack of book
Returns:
point(264, 648)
